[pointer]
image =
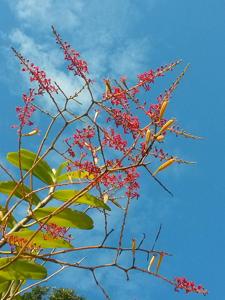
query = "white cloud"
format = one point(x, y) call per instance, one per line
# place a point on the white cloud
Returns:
point(44, 13)
point(101, 30)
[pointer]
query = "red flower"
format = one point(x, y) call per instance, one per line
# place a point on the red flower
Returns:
point(189, 286)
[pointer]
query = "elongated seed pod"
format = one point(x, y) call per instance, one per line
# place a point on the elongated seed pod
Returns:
point(133, 246)
point(159, 262)
point(105, 197)
point(164, 165)
point(151, 263)
point(33, 132)
point(165, 126)
point(148, 136)
point(163, 108)
point(108, 89)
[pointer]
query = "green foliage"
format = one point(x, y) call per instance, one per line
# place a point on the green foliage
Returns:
point(66, 218)
point(44, 293)
point(65, 195)
point(64, 294)
point(37, 293)
point(21, 269)
point(27, 159)
point(6, 187)
point(10, 220)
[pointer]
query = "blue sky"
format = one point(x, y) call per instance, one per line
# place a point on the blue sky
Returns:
point(129, 37)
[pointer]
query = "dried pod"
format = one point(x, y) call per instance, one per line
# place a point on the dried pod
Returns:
point(159, 262)
point(151, 262)
point(33, 132)
point(133, 246)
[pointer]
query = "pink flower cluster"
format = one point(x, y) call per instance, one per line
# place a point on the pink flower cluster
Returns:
point(44, 85)
point(114, 140)
point(128, 122)
point(182, 283)
point(56, 231)
point(25, 112)
point(15, 241)
point(38, 75)
point(131, 181)
point(82, 137)
point(123, 179)
point(118, 97)
point(77, 65)
point(146, 78)
point(87, 166)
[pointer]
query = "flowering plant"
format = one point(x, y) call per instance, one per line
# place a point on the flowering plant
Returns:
point(101, 158)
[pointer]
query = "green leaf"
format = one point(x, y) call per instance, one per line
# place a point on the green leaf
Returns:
point(21, 269)
point(66, 218)
point(4, 286)
point(68, 176)
point(42, 240)
point(61, 168)
point(6, 187)
point(11, 222)
point(88, 199)
point(41, 170)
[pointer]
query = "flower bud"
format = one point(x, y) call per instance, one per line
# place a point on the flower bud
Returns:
point(160, 138)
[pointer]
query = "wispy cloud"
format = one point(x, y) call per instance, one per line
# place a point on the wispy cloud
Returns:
point(44, 12)
point(100, 32)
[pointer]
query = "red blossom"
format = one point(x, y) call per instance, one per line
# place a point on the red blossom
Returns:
point(76, 64)
point(131, 181)
point(146, 78)
point(82, 137)
point(56, 231)
point(39, 76)
point(24, 113)
point(128, 122)
point(189, 286)
point(118, 97)
point(88, 166)
point(114, 140)
point(15, 241)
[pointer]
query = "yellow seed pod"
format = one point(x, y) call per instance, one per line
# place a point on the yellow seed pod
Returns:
point(133, 246)
point(165, 127)
point(148, 136)
point(33, 132)
point(151, 262)
point(105, 197)
point(160, 138)
point(159, 262)
point(164, 165)
point(163, 108)
point(108, 89)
